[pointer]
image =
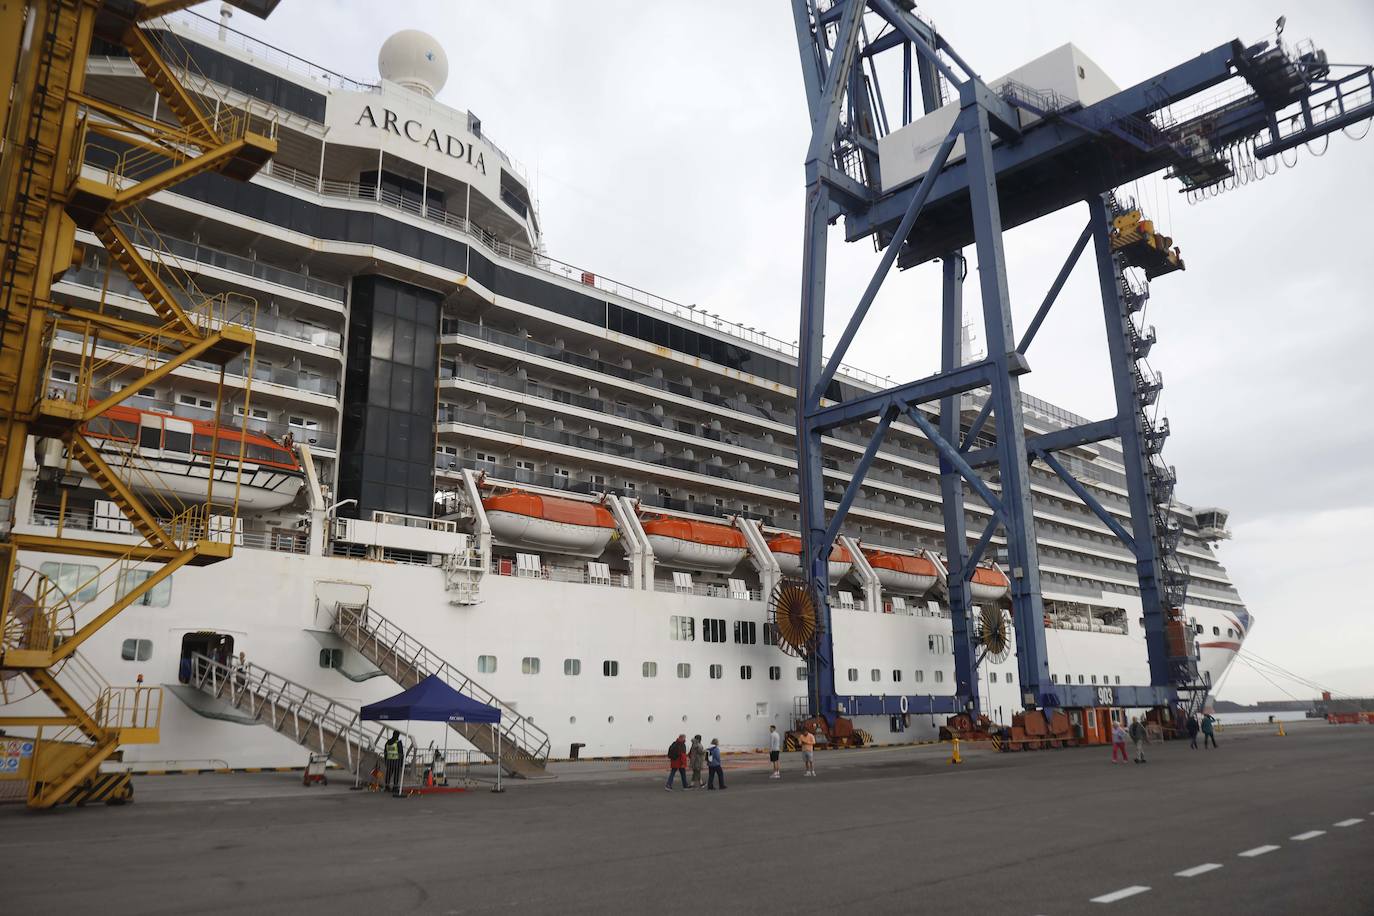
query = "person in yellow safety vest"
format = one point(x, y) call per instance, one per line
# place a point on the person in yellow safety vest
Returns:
point(393, 751)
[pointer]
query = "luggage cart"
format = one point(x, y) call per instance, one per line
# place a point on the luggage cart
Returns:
point(314, 770)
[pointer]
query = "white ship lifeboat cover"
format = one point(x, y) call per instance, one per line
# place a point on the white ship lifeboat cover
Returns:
point(787, 548)
point(988, 583)
point(549, 523)
point(689, 544)
point(901, 572)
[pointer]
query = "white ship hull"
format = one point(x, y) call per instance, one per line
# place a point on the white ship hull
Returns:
point(282, 624)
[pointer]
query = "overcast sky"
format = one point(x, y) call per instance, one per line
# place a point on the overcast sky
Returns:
point(666, 143)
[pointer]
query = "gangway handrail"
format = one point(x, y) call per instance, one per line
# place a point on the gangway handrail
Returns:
point(519, 734)
point(238, 683)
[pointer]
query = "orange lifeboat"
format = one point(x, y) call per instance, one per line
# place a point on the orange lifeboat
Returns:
point(989, 584)
point(901, 572)
point(688, 544)
point(549, 523)
point(787, 549)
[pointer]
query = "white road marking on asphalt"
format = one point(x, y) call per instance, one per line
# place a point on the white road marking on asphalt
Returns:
point(1309, 835)
point(1350, 822)
point(1122, 894)
point(1257, 851)
point(1197, 870)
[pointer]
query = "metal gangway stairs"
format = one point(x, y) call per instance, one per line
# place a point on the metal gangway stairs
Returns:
point(521, 747)
point(316, 722)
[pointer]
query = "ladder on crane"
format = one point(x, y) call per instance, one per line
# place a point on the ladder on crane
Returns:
point(521, 747)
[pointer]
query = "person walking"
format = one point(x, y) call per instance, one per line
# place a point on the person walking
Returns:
point(677, 761)
point(713, 763)
point(1119, 742)
point(696, 757)
point(1209, 724)
point(1192, 732)
point(1138, 738)
point(775, 751)
point(808, 748)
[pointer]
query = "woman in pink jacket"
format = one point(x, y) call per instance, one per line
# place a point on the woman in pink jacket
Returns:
point(1119, 742)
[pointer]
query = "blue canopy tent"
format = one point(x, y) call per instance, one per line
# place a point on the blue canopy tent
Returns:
point(433, 700)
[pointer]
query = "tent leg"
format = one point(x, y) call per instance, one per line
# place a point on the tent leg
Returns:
point(498, 760)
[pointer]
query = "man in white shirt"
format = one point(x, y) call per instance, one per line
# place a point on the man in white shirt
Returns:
point(775, 751)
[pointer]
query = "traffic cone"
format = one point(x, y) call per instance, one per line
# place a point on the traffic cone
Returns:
point(1282, 733)
point(954, 757)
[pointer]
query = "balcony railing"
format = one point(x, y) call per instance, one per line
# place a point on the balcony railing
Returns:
point(119, 284)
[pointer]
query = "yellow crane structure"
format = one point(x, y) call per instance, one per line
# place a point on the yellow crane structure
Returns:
point(71, 160)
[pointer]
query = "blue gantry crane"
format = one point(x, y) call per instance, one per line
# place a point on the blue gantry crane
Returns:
point(977, 159)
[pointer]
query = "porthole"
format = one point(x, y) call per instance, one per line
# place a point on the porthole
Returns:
point(684, 718)
point(610, 719)
point(747, 717)
point(717, 718)
point(651, 719)
point(572, 720)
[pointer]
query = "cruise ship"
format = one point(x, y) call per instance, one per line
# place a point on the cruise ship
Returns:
point(579, 493)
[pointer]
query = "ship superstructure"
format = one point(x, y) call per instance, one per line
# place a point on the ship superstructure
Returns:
point(580, 492)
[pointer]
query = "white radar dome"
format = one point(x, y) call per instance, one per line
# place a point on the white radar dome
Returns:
point(414, 60)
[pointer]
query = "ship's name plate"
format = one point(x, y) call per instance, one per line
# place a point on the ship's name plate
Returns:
point(412, 129)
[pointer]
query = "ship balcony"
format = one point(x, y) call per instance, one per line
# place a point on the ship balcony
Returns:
point(95, 286)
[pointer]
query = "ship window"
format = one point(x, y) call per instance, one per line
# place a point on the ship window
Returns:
point(774, 673)
point(853, 674)
point(875, 675)
point(1080, 679)
point(1054, 679)
point(712, 629)
point(1094, 678)
point(649, 669)
point(920, 676)
point(770, 634)
point(684, 670)
point(1216, 631)
point(930, 643)
point(486, 664)
point(745, 632)
point(939, 677)
point(682, 629)
point(992, 677)
point(746, 672)
point(177, 441)
point(136, 650)
point(1230, 632)
point(524, 466)
point(150, 436)
point(572, 667)
point(78, 581)
point(202, 443)
point(331, 658)
point(716, 672)
point(191, 400)
point(1118, 679)
point(896, 675)
point(1198, 627)
point(159, 595)
point(610, 668)
point(529, 665)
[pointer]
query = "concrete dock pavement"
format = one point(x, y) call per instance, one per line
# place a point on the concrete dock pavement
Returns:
point(879, 830)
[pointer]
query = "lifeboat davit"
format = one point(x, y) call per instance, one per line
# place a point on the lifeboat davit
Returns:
point(989, 584)
point(549, 523)
point(903, 573)
point(688, 544)
point(787, 550)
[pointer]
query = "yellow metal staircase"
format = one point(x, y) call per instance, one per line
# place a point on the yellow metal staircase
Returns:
point(45, 196)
